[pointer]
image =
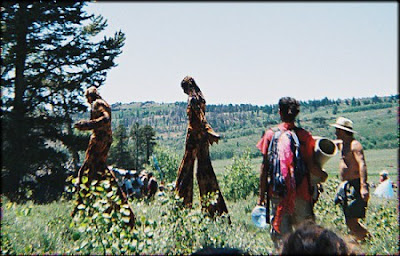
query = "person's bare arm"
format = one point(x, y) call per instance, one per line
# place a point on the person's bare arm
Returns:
point(358, 153)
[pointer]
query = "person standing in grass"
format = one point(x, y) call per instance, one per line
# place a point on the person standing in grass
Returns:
point(101, 138)
point(292, 203)
point(198, 139)
point(152, 185)
point(128, 184)
point(137, 185)
point(353, 171)
point(385, 186)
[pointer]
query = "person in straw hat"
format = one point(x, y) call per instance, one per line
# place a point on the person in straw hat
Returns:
point(353, 171)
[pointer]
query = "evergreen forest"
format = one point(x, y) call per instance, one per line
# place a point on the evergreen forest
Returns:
point(242, 125)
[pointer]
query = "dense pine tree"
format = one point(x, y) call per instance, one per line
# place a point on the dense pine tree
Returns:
point(143, 140)
point(49, 58)
point(148, 134)
point(120, 155)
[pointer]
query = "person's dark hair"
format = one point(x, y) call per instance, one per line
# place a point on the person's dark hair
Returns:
point(219, 251)
point(350, 134)
point(188, 84)
point(289, 108)
point(92, 92)
point(310, 238)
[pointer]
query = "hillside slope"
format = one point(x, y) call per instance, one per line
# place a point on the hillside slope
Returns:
point(241, 126)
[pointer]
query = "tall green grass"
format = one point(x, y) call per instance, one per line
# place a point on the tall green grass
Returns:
point(46, 229)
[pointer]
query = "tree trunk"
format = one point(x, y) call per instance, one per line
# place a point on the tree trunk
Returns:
point(147, 149)
point(21, 53)
point(74, 153)
point(19, 129)
point(137, 146)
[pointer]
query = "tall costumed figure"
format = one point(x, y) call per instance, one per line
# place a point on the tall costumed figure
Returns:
point(199, 136)
point(95, 165)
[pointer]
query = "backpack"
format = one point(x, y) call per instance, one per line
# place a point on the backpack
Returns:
point(276, 178)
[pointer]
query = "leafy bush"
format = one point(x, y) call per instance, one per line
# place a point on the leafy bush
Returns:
point(188, 228)
point(163, 227)
point(168, 162)
point(103, 227)
point(239, 180)
point(180, 230)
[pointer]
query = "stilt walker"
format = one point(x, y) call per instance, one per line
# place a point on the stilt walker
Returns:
point(95, 164)
point(199, 136)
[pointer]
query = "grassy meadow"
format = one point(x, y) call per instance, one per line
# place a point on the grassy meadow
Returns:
point(376, 160)
point(165, 229)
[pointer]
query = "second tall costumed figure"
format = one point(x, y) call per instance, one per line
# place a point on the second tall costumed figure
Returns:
point(199, 136)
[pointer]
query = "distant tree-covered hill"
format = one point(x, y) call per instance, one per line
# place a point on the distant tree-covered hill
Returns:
point(241, 125)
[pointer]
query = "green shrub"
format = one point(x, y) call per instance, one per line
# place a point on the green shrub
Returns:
point(188, 229)
point(102, 228)
point(168, 162)
point(239, 180)
point(178, 230)
point(164, 227)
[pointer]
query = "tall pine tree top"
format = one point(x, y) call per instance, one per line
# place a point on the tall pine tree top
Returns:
point(49, 57)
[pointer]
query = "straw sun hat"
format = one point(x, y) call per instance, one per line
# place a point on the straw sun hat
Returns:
point(344, 124)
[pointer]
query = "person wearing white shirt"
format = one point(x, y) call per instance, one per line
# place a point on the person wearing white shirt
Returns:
point(385, 187)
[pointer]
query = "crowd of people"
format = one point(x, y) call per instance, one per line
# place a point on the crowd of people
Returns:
point(290, 176)
point(137, 185)
point(289, 190)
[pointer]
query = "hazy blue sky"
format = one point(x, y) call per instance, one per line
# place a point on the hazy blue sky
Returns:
point(252, 52)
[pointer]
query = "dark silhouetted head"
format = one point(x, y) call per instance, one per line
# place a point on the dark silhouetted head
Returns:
point(219, 251)
point(310, 238)
point(288, 109)
point(92, 94)
point(188, 84)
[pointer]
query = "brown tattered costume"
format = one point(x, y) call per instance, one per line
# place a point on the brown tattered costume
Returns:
point(199, 136)
point(95, 164)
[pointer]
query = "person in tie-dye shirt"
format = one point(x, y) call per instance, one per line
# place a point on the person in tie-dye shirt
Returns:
point(296, 206)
